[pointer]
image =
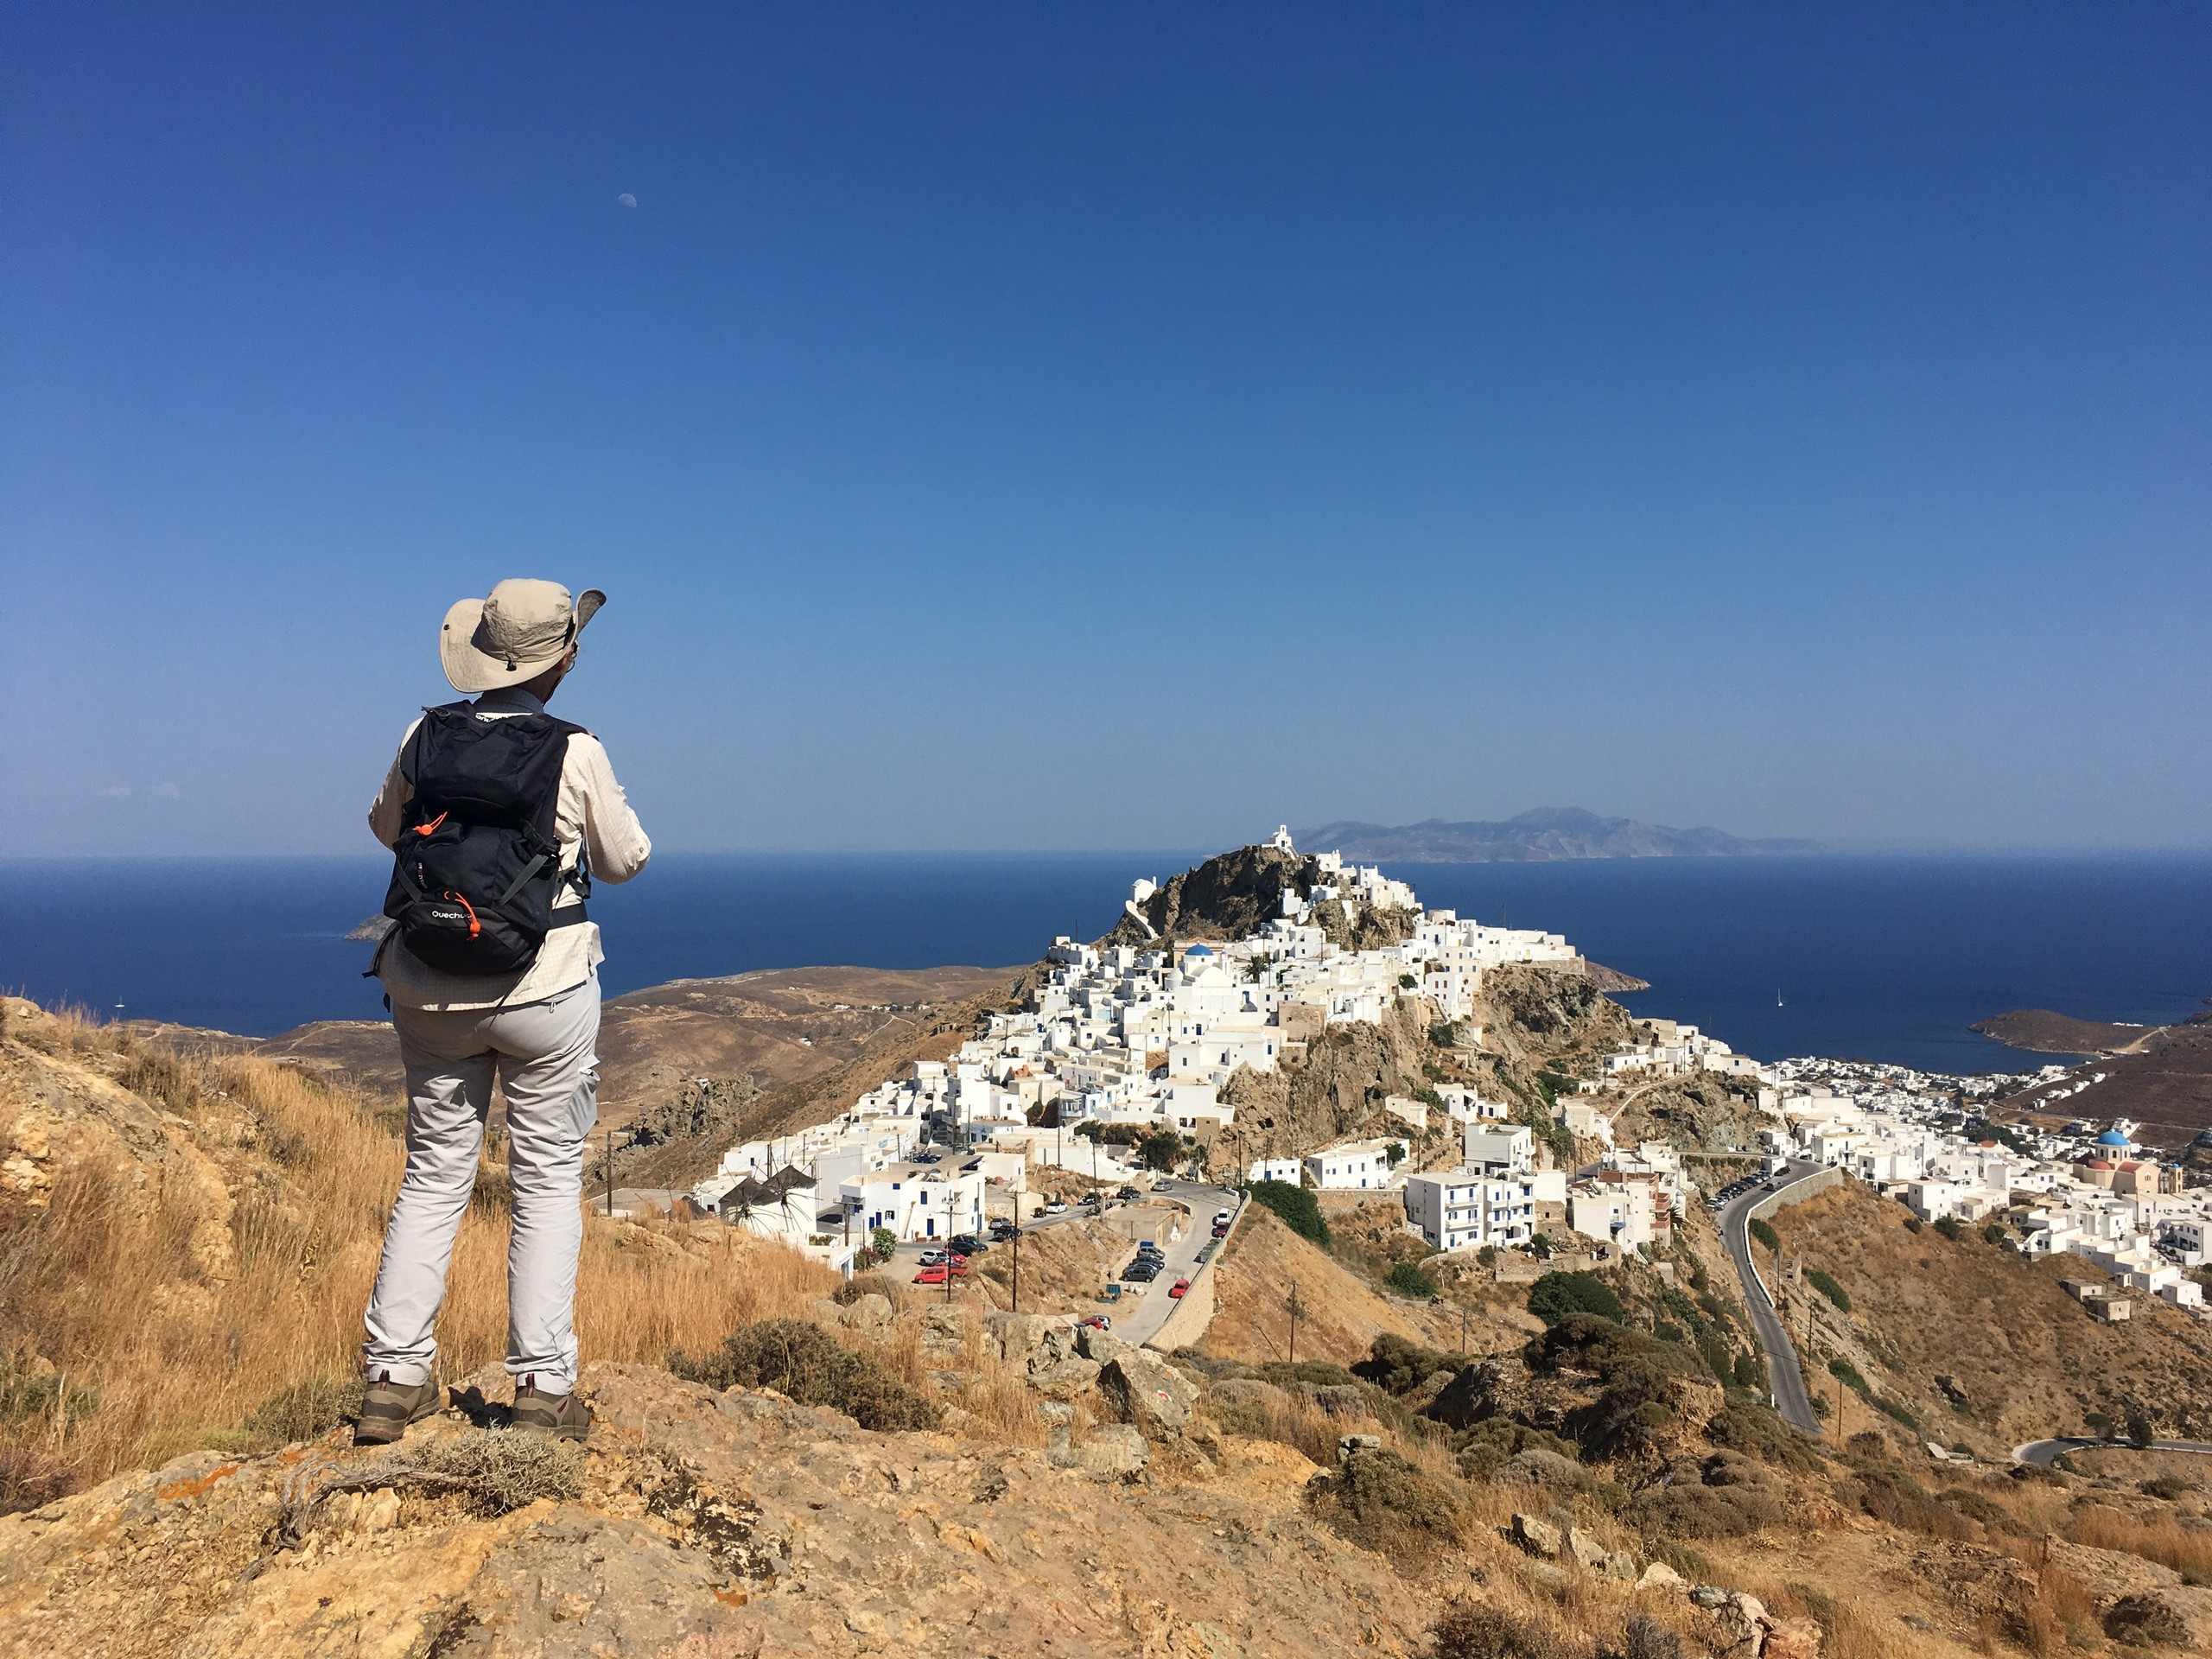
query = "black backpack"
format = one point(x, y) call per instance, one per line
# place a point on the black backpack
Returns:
point(477, 864)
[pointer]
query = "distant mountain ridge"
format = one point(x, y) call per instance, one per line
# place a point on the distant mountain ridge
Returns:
point(1545, 835)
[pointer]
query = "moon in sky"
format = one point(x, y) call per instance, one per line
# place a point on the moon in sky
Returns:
point(627, 199)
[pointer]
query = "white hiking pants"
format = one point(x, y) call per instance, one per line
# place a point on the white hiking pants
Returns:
point(547, 1057)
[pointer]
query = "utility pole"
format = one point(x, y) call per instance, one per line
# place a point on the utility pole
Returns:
point(610, 1174)
point(1017, 1254)
point(1296, 1308)
point(948, 1242)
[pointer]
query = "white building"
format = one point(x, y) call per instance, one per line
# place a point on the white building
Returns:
point(1499, 1149)
point(1467, 1209)
point(1354, 1166)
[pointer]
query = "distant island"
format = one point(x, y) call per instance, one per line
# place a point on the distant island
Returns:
point(1548, 832)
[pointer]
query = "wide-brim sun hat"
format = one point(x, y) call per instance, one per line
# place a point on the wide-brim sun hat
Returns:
point(514, 634)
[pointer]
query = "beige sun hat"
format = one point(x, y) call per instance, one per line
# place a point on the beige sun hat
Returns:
point(515, 634)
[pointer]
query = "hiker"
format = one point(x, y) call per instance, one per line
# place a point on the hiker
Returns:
point(500, 817)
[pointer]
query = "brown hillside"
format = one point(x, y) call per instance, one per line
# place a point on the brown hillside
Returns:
point(186, 1249)
point(1345, 1313)
point(2022, 1357)
point(777, 1026)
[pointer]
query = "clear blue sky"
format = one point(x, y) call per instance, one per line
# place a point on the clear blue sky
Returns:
point(1054, 426)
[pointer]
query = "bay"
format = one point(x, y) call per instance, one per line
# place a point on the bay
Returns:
point(1887, 958)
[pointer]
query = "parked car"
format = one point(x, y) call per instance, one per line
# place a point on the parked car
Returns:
point(1096, 1322)
point(1222, 1217)
point(935, 1276)
point(932, 1258)
point(1140, 1272)
point(1179, 1288)
point(1126, 1192)
point(968, 1244)
point(1056, 1206)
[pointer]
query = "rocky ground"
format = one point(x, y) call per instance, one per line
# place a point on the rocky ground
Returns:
point(704, 1524)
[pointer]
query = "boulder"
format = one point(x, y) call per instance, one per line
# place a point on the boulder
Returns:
point(1709, 1597)
point(1109, 1453)
point(1792, 1639)
point(944, 1331)
point(1151, 1393)
point(1101, 1345)
point(1351, 1443)
point(1537, 1537)
point(1590, 1553)
point(1660, 1576)
point(1016, 1335)
point(1057, 1343)
point(1742, 1624)
point(1065, 1380)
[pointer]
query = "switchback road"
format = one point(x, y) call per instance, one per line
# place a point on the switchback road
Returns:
point(2045, 1453)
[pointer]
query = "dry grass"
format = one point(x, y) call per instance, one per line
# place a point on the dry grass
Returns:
point(179, 1322)
point(2154, 1538)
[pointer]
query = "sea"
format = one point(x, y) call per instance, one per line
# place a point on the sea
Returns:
point(1888, 958)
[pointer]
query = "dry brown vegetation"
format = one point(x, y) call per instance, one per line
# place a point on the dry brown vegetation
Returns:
point(204, 1286)
point(2026, 1360)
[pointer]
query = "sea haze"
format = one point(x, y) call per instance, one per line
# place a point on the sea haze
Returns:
point(1881, 958)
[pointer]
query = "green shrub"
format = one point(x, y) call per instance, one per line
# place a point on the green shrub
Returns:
point(1376, 1499)
point(1398, 1366)
point(1763, 1231)
point(1299, 1210)
point(1555, 1295)
point(805, 1363)
point(886, 1242)
point(1408, 1280)
point(502, 1471)
point(23, 1394)
point(1486, 1448)
point(1913, 1223)
point(1891, 1409)
point(1952, 1228)
point(1744, 1425)
point(1749, 1372)
point(1824, 1282)
point(1470, 1631)
point(1717, 1357)
point(1995, 1233)
point(2166, 1486)
point(306, 1409)
point(2145, 1621)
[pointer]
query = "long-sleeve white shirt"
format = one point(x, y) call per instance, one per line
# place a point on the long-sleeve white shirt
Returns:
point(592, 813)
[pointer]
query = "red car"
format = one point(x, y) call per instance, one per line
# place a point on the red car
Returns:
point(1096, 1322)
point(1179, 1287)
point(935, 1274)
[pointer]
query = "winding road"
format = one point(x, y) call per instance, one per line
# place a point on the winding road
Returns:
point(1785, 1379)
point(2045, 1453)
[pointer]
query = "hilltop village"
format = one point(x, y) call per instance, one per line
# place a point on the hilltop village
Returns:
point(1127, 1058)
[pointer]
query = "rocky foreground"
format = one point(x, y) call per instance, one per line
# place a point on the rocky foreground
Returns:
point(701, 1524)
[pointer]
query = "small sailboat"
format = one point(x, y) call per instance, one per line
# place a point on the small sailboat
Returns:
point(1778, 996)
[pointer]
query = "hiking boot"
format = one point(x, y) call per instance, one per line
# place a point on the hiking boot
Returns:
point(562, 1415)
point(387, 1408)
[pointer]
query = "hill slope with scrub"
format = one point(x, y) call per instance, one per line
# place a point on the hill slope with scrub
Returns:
point(785, 1465)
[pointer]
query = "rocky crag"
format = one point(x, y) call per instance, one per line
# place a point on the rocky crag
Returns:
point(1236, 892)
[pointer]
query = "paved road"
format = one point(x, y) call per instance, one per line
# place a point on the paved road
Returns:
point(1142, 1323)
point(1143, 1309)
point(2046, 1452)
point(1784, 1376)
